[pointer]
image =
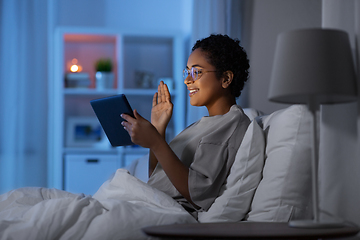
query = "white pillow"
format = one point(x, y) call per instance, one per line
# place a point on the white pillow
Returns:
point(252, 113)
point(245, 175)
point(139, 168)
point(284, 193)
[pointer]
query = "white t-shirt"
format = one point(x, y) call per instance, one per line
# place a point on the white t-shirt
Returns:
point(208, 147)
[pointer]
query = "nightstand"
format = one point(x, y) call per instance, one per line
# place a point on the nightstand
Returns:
point(246, 230)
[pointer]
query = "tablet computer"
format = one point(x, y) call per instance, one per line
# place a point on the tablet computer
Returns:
point(108, 112)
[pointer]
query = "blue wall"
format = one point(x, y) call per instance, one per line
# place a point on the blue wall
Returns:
point(153, 15)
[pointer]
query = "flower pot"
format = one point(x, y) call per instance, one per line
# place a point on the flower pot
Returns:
point(104, 80)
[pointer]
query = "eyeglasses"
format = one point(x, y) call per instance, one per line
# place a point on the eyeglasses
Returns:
point(194, 73)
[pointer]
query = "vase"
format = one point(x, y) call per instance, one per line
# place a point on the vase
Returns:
point(104, 80)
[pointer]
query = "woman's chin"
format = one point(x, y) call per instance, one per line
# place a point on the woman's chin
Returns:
point(193, 103)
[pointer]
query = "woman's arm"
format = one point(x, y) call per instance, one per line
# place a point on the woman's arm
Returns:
point(143, 133)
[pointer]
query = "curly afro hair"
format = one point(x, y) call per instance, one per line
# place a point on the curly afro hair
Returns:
point(226, 54)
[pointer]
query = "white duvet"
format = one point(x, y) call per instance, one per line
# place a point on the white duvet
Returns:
point(118, 210)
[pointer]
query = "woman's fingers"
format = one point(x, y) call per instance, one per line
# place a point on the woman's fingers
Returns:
point(140, 130)
point(130, 120)
point(127, 123)
point(162, 95)
point(154, 102)
point(167, 93)
point(126, 126)
point(159, 93)
point(127, 117)
point(137, 115)
point(163, 91)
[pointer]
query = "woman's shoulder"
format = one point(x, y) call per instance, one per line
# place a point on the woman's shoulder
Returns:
point(223, 127)
point(236, 113)
point(234, 117)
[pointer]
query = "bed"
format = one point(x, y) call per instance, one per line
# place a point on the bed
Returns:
point(269, 181)
point(118, 210)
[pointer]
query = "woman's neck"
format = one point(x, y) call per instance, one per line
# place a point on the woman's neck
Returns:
point(221, 107)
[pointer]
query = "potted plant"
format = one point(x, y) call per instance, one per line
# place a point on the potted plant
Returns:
point(104, 75)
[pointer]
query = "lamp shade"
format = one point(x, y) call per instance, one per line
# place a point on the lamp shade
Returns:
point(313, 64)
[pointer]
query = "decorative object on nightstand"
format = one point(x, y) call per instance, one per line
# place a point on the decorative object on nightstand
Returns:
point(85, 132)
point(104, 75)
point(313, 67)
point(75, 66)
point(76, 78)
point(144, 79)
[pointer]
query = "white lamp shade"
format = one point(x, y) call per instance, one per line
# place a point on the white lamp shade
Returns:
point(313, 64)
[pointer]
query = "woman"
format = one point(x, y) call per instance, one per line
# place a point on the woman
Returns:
point(194, 166)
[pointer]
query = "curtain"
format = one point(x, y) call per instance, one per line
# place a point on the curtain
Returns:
point(218, 17)
point(339, 162)
point(23, 93)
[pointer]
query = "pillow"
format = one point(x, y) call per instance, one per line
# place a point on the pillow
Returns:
point(245, 175)
point(252, 113)
point(139, 168)
point(284, 193)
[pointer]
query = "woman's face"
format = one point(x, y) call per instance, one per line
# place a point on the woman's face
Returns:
point(206, 90)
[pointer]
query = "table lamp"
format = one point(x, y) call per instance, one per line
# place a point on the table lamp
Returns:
point(313, 67)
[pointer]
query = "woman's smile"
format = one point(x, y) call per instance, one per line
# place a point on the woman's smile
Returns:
point(193, 91)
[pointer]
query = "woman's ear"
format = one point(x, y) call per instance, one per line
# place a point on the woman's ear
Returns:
point(227, 79)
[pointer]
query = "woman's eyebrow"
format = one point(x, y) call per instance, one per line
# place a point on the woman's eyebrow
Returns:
point(195, 65)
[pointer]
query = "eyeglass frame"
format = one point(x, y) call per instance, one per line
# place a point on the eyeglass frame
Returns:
point(198, 73)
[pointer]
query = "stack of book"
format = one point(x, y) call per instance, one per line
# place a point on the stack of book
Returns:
point(77, 80)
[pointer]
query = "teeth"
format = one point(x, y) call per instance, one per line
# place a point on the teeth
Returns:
point(193, 92)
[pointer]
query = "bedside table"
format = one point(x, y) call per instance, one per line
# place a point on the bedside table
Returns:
point(246, 230)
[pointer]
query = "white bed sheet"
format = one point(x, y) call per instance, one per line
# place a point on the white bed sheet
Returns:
point(118, 210)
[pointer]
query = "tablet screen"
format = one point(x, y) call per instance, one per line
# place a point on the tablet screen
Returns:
point(108, 112)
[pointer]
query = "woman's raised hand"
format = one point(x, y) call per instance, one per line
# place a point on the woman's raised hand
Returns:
point(162, 108)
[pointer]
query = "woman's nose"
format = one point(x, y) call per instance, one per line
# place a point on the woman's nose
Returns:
point(188, 80)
